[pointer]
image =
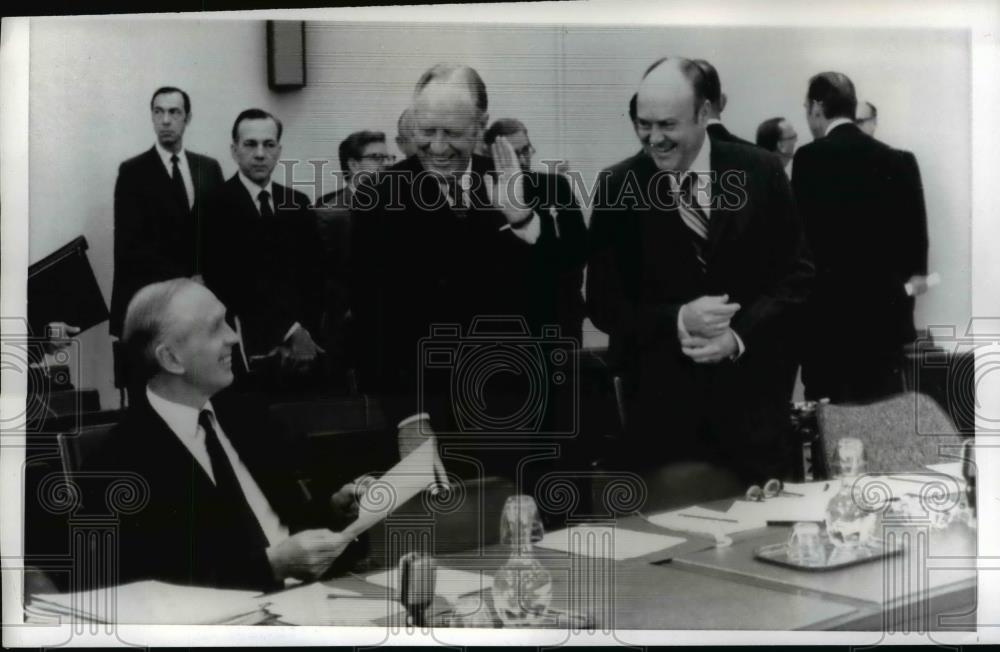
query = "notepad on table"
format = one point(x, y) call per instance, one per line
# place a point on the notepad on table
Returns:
point(607, 542)
point(450, 583)
point(699, 520)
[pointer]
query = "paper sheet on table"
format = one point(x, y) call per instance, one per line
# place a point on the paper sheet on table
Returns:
point(810, 505)
point(953, 469)
point(699, 520)
point(150, 603)
point(451, 584)
point(607, 542)
point(317, 604)
point(413, 474)
point(913, 484)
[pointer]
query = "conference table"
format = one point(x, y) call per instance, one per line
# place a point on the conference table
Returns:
point(698, 585)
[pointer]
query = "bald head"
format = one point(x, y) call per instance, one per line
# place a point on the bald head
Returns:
point(671, 113)
point(449, 117)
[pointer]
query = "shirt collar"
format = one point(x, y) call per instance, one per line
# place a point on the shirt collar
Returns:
point(702, 163)
point(254, 189)
point(181, 419)
point(713, 121)
point(166, 154)
point(836, 122)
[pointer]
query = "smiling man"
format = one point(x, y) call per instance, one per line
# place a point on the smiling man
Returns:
point(698, 274)
point(263, 256)
point(447, 236)
point(222, 505)
point(159, 205)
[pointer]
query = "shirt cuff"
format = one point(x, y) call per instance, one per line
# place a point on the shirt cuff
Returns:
point(530, 232)
point(681, 331)
point(416, 418)
point(296, 326)
point(739, 345)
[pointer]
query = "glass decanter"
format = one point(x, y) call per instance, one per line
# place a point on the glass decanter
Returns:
point(848, 523)
point(522, 588)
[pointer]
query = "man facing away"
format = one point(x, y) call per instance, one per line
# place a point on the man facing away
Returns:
point(862, 203)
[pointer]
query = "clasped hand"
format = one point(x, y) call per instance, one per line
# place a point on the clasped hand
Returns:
point(298, 352)
point(709, 338)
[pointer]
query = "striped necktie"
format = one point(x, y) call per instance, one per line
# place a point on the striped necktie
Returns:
point(693, 216)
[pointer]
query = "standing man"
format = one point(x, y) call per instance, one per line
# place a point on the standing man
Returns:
point(263, 255)
point(778, 135)
point(716, 104)
point(862, 203)
point(550, 193)
point(363, 155)
point(222, 507)
point(447, 236)
point(160, 205)
point(698, 274)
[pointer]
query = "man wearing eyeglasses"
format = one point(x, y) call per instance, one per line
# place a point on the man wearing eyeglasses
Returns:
point(263, 258)
point(698, 273)
point(552, 195)
point(779, 136)
point(363, 155)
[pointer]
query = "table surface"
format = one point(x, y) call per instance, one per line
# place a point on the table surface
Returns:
point(700, 586)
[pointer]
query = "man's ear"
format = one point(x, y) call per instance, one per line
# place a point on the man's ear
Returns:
point(722, 102)
point(232, 152)
point(187, 119)
point(352, 166)
point(167, 360)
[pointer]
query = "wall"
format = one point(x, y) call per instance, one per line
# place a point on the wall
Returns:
point(91, 81)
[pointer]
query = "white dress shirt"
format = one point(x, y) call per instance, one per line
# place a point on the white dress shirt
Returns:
point(182, 164)
point(183, 422)
point(836, 122)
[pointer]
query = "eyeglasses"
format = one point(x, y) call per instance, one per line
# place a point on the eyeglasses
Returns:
point(771, 489)
point(380, 158)
point(527, 150)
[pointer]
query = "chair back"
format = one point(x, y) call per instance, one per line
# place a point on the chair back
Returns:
point(902, 433)
point(77, 449)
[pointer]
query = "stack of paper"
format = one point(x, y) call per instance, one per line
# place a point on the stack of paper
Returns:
point(699, 520)
point(150, 603)
point(450, 584)
point(607, 542)
point(797, 502)
point(316, 604)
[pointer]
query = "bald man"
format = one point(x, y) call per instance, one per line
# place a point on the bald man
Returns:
point(698, 274)
point(445, 237)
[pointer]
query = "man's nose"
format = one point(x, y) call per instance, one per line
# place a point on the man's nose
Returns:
point(656, 136)
point(438, 144)
point(230, 336)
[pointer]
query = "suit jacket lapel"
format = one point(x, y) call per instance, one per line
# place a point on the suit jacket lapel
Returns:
point(722, 218)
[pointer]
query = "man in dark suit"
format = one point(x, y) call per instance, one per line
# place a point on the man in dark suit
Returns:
point(159, 205)
point(445, 237)
point(698, 273)
point(778, 135)
point(363, 155)
point(219, 503)
point(551, 194)
point(716, 105)
point(263, 254)
point(862, 204)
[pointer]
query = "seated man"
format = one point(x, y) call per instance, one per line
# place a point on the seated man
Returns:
point(223, 507)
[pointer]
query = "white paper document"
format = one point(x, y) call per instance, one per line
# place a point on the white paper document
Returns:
point(316, 604)
point(797, 502)
point(150, 603)
point(699, 520)
point(450, 584)
point(607, 542)
point(414, 473)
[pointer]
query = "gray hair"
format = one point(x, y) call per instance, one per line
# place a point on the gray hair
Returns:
point(450, 71)
point(146, 323)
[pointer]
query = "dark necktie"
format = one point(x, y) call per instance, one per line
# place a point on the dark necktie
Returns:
point(265, 205)
point(230, 491)
point(178, 181)
point(693, 216)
